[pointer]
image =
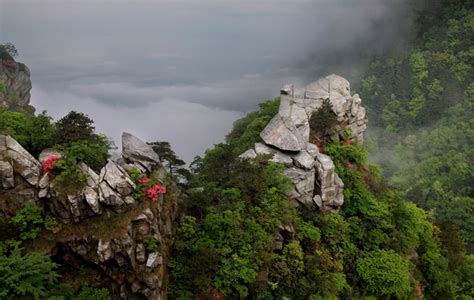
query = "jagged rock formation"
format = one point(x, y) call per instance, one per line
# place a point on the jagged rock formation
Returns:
point(105, 228)
point(15, 85)
point(287, 137)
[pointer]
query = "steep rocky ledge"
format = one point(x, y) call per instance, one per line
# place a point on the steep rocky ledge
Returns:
point(288, 137)
point(15, 85)
point(104, 229)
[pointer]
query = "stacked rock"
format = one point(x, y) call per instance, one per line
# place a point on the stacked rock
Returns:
point(287, 138)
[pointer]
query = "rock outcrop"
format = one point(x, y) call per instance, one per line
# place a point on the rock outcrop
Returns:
point(15, 85)
point(103, 226)
point(288, 137)
point(138, 154)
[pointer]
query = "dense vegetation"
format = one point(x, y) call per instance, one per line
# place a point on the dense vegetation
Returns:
point(400, 235)
point(30, 275)
point(73, 134)
point(377, 245)
point(421, 100)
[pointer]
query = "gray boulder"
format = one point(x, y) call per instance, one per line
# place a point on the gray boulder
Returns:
point(92, 199)
point(330, 185)
point(140, 253)
point(312, 150)
point(249, 154)
point(6, 175)
point(17, 80)
point(135, 150)
point(104, 250)
point(282, 133)
point(304, 160)
point(23, 162)
point(303, 182)
point(154, 259)
point(277, 156)
point(108, 196)
point(339, 84)
point(117, 178)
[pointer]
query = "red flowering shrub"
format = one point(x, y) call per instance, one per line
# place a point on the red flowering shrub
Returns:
point(49, 164)
point(154, 192)
point(144, 180)
point(149, 188)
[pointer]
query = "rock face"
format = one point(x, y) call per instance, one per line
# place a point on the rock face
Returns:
point(15, 85)
point(137, 152)
point(282, 133)
point(287, 137)
point(104, 227)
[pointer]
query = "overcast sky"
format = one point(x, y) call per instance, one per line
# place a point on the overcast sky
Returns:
point(179, 70)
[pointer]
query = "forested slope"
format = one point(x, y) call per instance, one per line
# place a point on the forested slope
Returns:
point(420, 106)
point(241, 237)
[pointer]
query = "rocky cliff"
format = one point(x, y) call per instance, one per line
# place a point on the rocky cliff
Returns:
point(104, 231)
point(15, 85)
point(289, 137)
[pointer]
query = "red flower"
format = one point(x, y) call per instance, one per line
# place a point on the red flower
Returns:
point(144, 180)
point(349, 142)
point(48, 164)
point(154, 192)
point(350, 166)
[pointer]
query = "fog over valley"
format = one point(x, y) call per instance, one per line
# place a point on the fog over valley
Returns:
point(181, 71)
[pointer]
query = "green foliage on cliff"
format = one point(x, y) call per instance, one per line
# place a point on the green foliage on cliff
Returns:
point(384, 273)
point(322, 120)
point(27, 220)
point(34, 133)
point(422, 99)
point(246, 131)
point(175, 164)
point(73, 134)
point(377, 245)
point(29, 276)
point(227, 235)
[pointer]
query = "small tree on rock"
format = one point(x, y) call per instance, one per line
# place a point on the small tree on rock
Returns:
point(75, 126)
point(322, 122)
point(175, 164)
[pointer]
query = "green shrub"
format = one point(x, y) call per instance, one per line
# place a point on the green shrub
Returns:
point(70, 177)
point(89, 293)
point(385, 274)
point(246, 131)
point(152, 244)
point(51, 223)
point(94, 155)
point(29, 276)
point(34, 133)
point(323, 121)
point(27, 220)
